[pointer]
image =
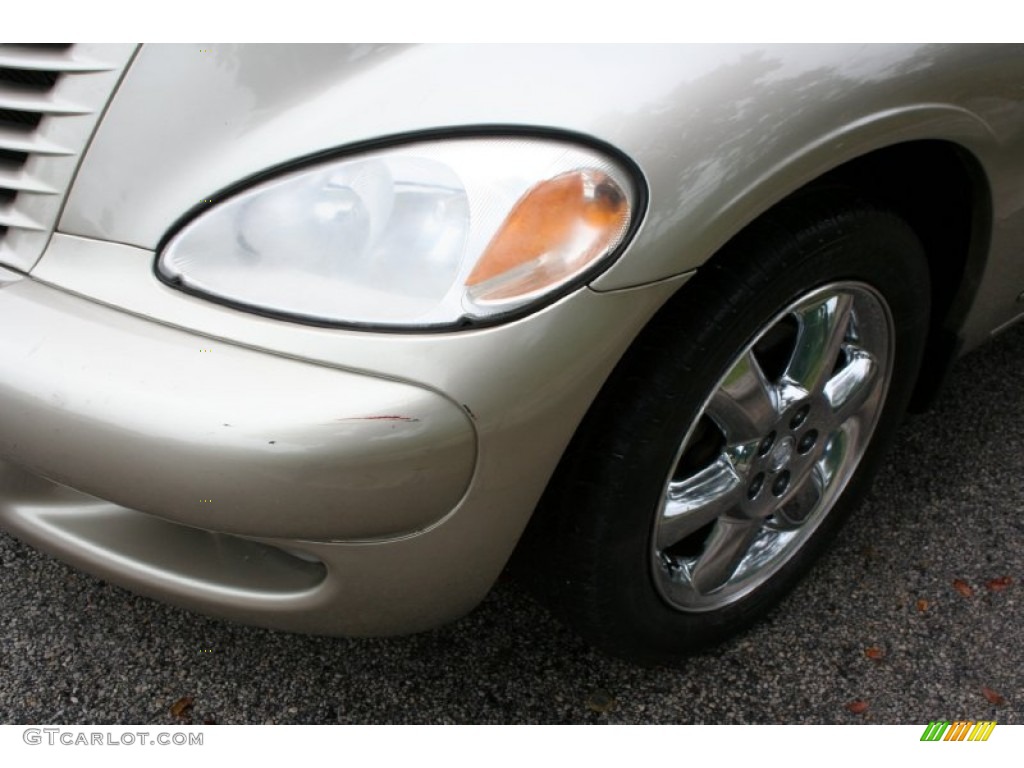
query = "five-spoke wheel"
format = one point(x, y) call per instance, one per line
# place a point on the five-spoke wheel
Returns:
point(741, 428)
point(773, 446)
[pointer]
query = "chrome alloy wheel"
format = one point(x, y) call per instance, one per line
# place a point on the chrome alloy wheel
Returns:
point(774, 445)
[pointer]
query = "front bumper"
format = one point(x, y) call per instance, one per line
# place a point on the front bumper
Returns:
point(217, 436)
point(299, 478)
point(209, 474)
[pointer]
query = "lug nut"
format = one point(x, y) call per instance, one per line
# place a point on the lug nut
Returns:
point(755, 486)
point(799, 417)
point(766, 444)
point(807, 441)
point(781, 483)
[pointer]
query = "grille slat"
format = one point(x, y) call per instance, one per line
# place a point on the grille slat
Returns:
point(13, 219)
point(14, 179)
point(40, 57)
point(51, 96)
point(14, 98)
point(17, 140)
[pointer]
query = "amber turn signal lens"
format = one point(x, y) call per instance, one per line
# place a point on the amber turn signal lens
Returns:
point(556, 229)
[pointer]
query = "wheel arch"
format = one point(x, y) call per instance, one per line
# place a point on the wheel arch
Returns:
point(940, 189)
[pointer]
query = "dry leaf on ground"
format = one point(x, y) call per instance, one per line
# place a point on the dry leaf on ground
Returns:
point(857, 706)
point(998, 585)
point(181, 707)
point(992, 696)
point(962, 587)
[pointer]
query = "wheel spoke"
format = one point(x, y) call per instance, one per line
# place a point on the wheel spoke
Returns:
point(822, 332)
point(693, 503)
point(850, 388)
point(744, 406)
point(832, 461)
point(726, 547)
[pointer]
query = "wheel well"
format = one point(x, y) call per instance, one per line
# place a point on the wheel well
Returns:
point(942, 192)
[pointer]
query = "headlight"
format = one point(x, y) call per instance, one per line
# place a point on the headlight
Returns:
point(420, 235)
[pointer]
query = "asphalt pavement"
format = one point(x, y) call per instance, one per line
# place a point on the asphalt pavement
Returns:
point(917, 614)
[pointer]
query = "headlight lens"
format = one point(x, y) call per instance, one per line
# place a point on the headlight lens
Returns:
point(420, 235)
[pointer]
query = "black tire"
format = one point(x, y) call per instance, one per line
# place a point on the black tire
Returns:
point(607, 525)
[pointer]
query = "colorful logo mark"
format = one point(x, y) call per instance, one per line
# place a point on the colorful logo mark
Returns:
point(960, 730)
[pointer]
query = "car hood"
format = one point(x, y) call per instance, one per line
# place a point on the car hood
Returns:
point(719, 132)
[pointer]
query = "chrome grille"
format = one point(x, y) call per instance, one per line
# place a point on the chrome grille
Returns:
point(51, 98)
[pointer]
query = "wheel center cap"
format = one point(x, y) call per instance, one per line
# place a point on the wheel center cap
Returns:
point(781, 453)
